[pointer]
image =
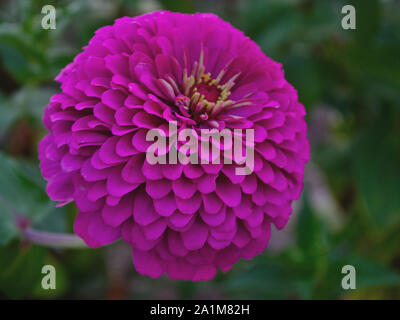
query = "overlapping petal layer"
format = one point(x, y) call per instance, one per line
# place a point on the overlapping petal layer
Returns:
point(183, 220)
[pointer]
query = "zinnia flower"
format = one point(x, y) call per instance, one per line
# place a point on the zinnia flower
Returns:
point(186, 220)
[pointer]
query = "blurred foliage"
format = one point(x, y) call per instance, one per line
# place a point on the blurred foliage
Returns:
point(349, 82)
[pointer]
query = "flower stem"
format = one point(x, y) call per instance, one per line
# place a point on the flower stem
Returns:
point(52, 239)
point(44, 238)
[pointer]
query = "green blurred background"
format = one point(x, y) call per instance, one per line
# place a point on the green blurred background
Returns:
point(349, 82)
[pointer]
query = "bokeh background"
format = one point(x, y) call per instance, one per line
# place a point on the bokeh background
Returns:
point(349, 213)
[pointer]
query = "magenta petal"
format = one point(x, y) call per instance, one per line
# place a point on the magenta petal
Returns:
point(95, 67)
point(116, 215)
point(165, 206)
point(213, 219)
point(204, 273)
point(259, 197)
point(114, 99)
point(72, 162)
point(151, 172)
point(117, 186)
point(256, 246)
point(180, 269)
point(81, 225)
point(266, 174)
point(218, 244)
point(60, 187)
point(256, 218)
point(242, 237)
point(203, 256)
point(227, 257)
point(158, 189)
point(206, 183)
point(266, 150)
point(134, 235)
point(102, 232)
point(212, 168)
point(212, 204)
point(249, 184)
point(183, 188)
point(196, 236)
point(97, 191)
point(172, 171)
point(147, 263)
point(230, 172)
point(189, 206)
point(280, 181)
point(107, 152)
point(260, 134)
point(89, 173)
point(155, 230)
point(179, 220)
point(145, 120)
point(229, 193)
point(245, 208)
point(175, 244)
point(143, 210)
point(137, 91)
point(131, 172)
point(124, 146)
point(139, 140)
point(192, 171)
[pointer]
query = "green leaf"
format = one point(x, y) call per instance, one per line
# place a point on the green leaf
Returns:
point(23, 193)
point(29, 101)
point(8, 114)
point(377, 172)
point(270, 278)
point(7, 117)
point(371, 273)
point(21, 53)
point(302, 71)
point(8, 229)
point(178, 5)
point(368, 19)
point(310, 233)
point(62, 281)
point(20, 269)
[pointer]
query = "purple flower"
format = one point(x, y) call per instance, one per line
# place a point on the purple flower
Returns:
point(196, 70)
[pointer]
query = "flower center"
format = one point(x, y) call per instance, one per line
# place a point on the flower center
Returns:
point(209, 91)
point(204, 98)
